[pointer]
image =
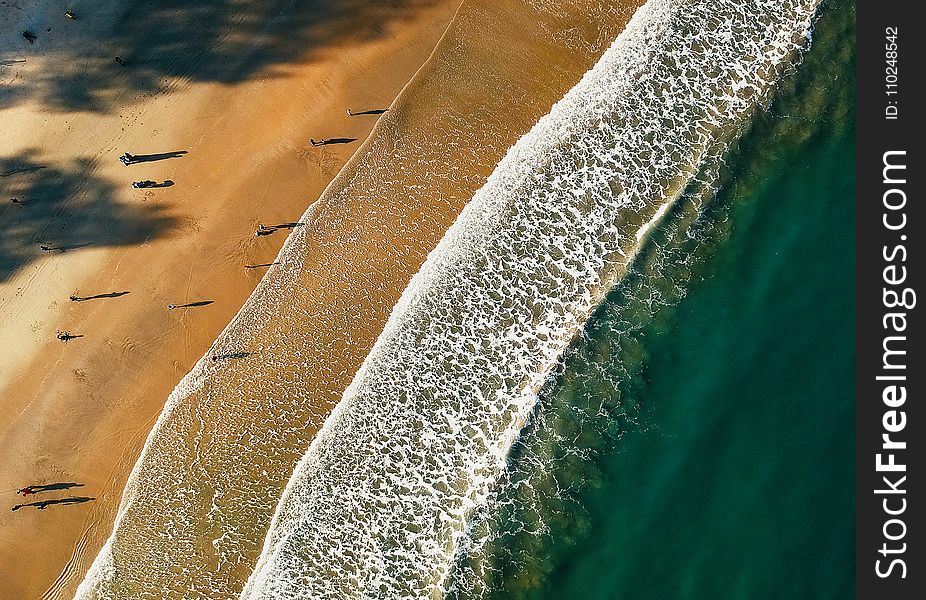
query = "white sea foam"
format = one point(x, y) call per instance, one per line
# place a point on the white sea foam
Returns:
point(201, 496)
point(378, 506)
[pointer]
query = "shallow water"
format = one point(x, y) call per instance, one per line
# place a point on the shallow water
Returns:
point(698, 441)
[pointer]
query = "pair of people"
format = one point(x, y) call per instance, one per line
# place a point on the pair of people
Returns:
point(264, 230)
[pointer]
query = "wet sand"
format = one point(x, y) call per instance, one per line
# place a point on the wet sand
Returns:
point(241, 89)
point(220, 456)
point(242, 94)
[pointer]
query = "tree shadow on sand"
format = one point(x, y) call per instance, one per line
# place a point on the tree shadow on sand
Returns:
point(161, 41)
point(65, 207)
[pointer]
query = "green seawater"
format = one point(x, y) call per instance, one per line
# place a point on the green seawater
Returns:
point(698, 441)
point(741, 483)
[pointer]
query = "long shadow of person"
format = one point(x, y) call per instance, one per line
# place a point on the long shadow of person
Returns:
point(49, 487)
point(76, 298)
point(232, 355)
point(331, 141)
point(269, 229)
point(43, 504)
point(191, 304)
point(142, 158)
point(373, 111)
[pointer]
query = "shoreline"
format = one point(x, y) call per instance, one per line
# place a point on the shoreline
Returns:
point(318, 314)
point(81, 411)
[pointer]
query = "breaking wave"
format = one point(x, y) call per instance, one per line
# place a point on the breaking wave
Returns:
point(379, 505)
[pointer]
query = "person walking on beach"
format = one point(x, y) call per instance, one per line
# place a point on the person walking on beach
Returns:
point(126, 158)
point(29, 489)
point(39, 505)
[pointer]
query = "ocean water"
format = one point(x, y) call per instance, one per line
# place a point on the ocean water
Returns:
point(398, 493)
point(698, 440)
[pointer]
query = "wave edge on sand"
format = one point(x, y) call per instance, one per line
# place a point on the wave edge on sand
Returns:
point(379, 504)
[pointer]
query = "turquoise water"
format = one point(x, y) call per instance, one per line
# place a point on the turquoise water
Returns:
point(741, 484)
point(699, 440)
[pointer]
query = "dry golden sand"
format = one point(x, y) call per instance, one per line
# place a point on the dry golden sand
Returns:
point(81, 411)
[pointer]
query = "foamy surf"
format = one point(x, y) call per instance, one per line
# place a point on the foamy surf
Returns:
point(379, 504)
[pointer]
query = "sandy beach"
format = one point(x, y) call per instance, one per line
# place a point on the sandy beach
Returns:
point(240, 90)
point(424, 298)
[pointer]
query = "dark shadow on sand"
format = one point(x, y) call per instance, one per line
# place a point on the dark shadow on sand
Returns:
point(79, 298)
point(264, 230)
point(284, 226)
point(66, 337)
point(374, 111)
point(15, 170)
point(270, 264)
point(144, 158)
point(231, 356)
point(52, 487)
point(163, 41)
point(67, 247)
point(43, 504)
point(62, 249)
point(333, 141)
point(66, 207)
point(194, 304)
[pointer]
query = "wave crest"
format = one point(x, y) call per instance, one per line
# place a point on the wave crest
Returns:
point(379, 504)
